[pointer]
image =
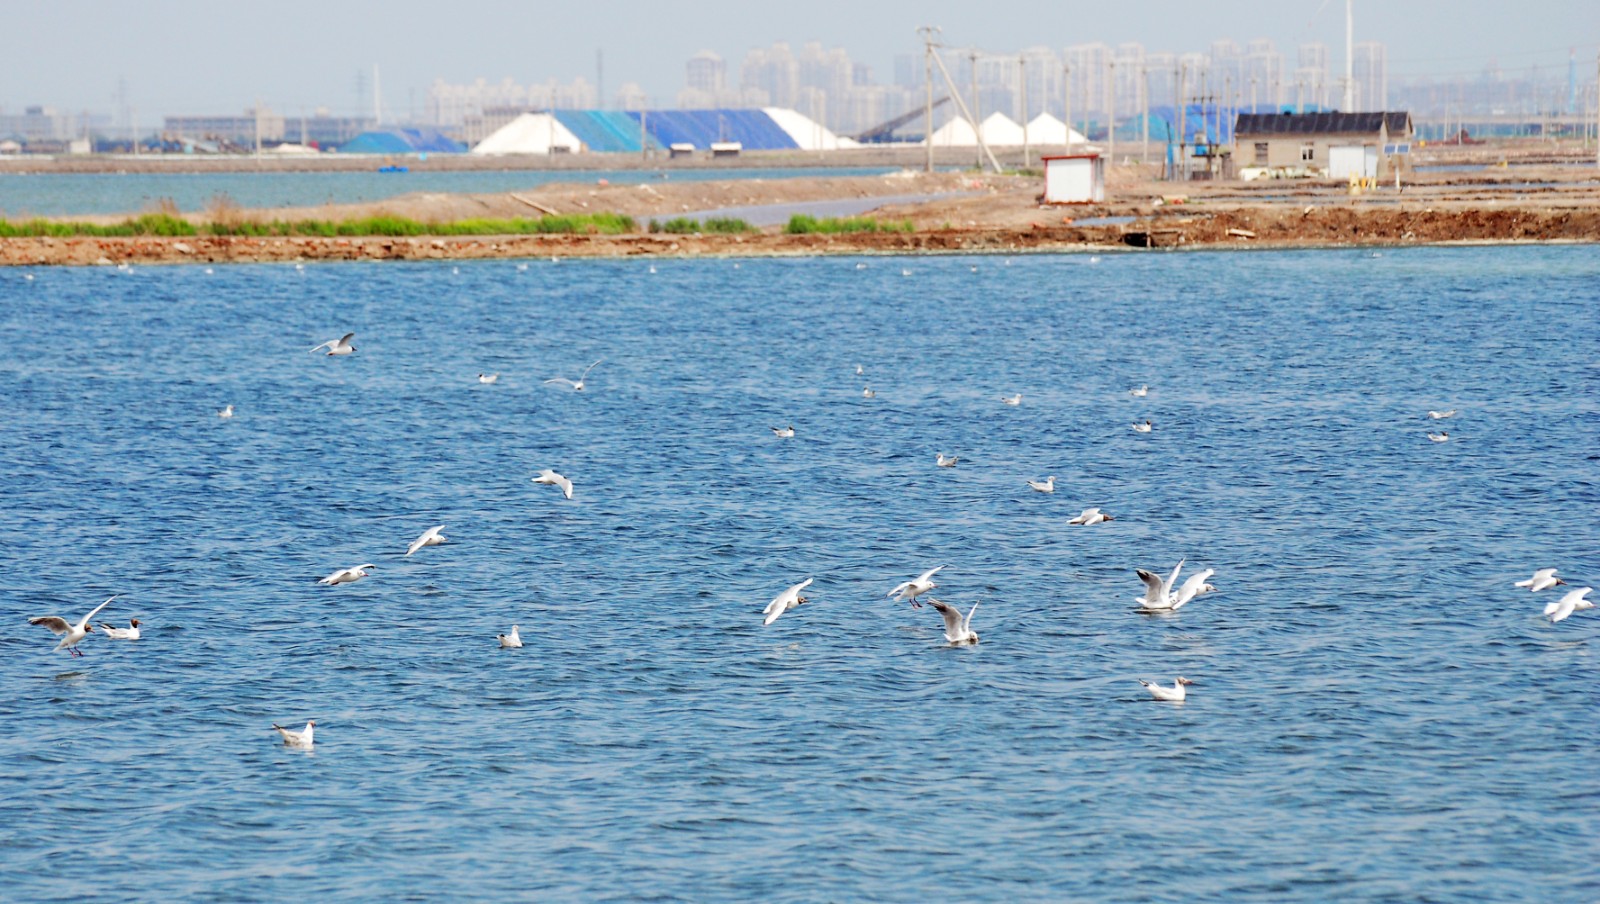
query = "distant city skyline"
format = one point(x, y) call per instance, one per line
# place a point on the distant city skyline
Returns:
point(181, 56)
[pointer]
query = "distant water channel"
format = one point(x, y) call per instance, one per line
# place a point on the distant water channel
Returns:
point(68, 194)
point(1378, 715)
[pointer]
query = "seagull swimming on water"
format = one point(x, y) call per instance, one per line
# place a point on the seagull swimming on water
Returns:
point(1142, 428)
point(129, 633)
point(488, 378)
point(292, 738)
point(867, 392)
point(1441, 415)
point(226, 412)
point(340, 346)
point(1091, 516)
point(1012, 399)
point(915, 587)
point(430, 537)
point(783, 432)
point(72, 634)
point(550, 477)
point(347, 575)
point(944, 462)
point(577, 385)
point(957, 630)
point(1542, 579)
point(1173, 694)
point(512, 641)
point(1141, 392)
point(1440, 437)
point(1573, 602)
point(1048, 485)
point(785, 601)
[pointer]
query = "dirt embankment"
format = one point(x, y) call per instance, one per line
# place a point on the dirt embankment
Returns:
point(959, 212)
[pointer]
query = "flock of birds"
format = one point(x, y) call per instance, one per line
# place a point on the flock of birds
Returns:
point(1161, 594)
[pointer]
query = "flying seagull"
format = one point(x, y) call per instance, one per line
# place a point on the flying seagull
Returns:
point(72, 634)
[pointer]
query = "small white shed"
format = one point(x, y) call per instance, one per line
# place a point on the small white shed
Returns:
point(1345, 161)
point(1074, 179)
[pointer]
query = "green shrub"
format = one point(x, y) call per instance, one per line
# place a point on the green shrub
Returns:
point(166, 224)
point(690, 226)
point(801, 224)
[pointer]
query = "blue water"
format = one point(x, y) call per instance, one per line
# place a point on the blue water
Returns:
point(78, 194)
point(1378, 714)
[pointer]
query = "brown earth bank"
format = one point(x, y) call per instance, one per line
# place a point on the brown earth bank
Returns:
point(950, 212)
point(1223, 229)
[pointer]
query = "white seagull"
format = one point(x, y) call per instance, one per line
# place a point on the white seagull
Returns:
point(1142, 428)
point(577, 385)
point(783, 432)
point(1012, 399)
point(915, 587)
point(430, 537)
point(488, 378)
point(867, 392)
point(73, 633)
point(129, 633)
point(340, 346)
point(785, 601)
point(1157, 592)
point(860, 370)
point(944, 462)
point(226, 412)
point(556, 480)
point(1542, 579)
point(957, 630)
point(1573, 602)
point(1141, 392)
point(512, 641)
point(292, 738)
point(347, 575)
point(1193, 587)
point(1048, 485)
point(1441, 415)
point(1440, 437)
point(1092, 516)
point(1173, 694)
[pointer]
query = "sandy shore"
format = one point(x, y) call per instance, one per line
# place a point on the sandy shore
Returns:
point(964, 212)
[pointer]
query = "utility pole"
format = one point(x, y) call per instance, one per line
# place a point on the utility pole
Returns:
point(977, 110)
point(1181, 167)
point(1111, 111)
point(1144, 94)
point(377, 98)
point(1066, 94)
point(1597, 113)
point(1349, 58)
point(961, 105)
point(1022, 66)
point(927, 32)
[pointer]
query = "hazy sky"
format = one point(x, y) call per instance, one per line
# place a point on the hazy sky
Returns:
point(213, 56)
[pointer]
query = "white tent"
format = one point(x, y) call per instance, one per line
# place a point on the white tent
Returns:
point(530, 133)
point(807, 132)
point(1045, 130)
point(1001, 131)
point(955, 133)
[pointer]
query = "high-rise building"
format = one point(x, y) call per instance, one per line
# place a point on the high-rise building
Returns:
point(1261, 77)
point(774, 73)
point(1371, 76)
point(706, 72)
point(1311, 72)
